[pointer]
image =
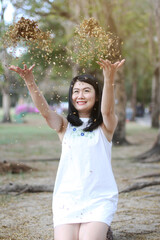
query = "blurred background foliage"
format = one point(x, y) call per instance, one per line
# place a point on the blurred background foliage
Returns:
point(133, 21)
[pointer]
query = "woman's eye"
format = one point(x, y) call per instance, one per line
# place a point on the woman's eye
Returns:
point(86, 90)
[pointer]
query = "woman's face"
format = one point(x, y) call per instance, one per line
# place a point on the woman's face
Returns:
point(83, 98)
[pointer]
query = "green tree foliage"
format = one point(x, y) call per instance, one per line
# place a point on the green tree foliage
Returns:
point(132, 18)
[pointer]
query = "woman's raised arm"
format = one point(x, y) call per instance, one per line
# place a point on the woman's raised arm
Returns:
point(108, 100)
point(54, 120)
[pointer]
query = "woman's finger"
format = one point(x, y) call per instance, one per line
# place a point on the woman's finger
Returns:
point(116, 64)
point(121, 63)
point(14, 68)
point(31, 68)
point(25, 67)
point(105, 61)
point(101, 64)
point(108, 61)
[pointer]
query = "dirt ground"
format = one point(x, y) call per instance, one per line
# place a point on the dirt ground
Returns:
point(29, 216)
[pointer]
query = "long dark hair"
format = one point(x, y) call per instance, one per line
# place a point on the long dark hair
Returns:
point(96, 116)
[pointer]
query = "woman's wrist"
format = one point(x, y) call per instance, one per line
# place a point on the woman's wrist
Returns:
point(29, 81)
point(30, 84)
point(109, 83)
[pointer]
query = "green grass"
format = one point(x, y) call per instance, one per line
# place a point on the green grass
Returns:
point(132, 128)
point(33, 139)
point(13, 115)
point(22, 133)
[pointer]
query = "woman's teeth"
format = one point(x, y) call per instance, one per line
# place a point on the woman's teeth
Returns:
point(81, 102)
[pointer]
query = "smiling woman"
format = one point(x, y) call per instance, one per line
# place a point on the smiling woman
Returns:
point(85, 194)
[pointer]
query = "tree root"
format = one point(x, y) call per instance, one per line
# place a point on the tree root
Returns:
point(153, 159)
point(152, 155)
point(39, 160)
point(149, 175)
point(138, 186)
point(26, 188)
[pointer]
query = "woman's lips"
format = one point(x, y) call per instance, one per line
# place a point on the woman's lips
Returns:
point(81, 102)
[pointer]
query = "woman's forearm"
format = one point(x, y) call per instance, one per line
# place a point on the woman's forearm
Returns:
point(108, 98)
point(54, 120)
point(38, 99)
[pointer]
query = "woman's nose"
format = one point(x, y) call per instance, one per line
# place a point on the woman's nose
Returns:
point(81, 94)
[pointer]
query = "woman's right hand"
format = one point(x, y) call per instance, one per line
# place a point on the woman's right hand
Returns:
point(25, 73)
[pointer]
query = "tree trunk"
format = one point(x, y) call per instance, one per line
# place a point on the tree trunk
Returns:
point(134, 99)
point(5, 92)
point(155, 105)
point(119, 137)
point(134, 87)
point(156, 80)
point(6, 86)
point(153, 155)
point(6, 105)
point(155, 101)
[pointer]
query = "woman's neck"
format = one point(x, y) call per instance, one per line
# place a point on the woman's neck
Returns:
point(84, 115)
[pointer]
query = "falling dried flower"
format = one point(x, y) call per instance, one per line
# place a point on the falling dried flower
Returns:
point(91, 43)
point(27, 31)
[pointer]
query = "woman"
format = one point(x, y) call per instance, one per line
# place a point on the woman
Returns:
point(85, 194)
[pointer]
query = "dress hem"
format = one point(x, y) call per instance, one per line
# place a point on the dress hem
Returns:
point(77, 222)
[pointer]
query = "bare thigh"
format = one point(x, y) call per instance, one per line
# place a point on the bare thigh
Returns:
point(93, 231)
point(66, 232)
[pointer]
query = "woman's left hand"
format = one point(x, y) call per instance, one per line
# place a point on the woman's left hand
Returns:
point(110, 69)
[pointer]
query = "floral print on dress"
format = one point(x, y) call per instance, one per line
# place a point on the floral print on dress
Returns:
point(78, 132)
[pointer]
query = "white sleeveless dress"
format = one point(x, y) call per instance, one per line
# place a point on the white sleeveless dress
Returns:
point(85, 188)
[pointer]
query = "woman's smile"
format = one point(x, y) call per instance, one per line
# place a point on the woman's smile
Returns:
point(81, 102)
